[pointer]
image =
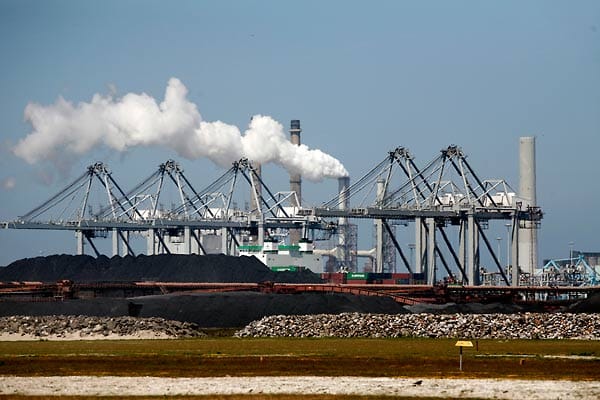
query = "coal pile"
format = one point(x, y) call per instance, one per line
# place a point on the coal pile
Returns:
point(163, 268)
point(208, 310)
point(237, 309)
point(475, 326)
point(589, 305)
point(70, 326)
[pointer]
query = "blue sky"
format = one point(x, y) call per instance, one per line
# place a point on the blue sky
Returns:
point(363, 77)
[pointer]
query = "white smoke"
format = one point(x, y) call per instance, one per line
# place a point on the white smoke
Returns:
point(63, 130)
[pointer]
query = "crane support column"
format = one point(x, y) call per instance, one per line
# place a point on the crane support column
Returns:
point(379, 238)
point(79, 239)
point(186, 240)
point(115, 242)
point(124, 243)
point(261, 231)
point(514, 259)
point(462, 253)
point(150, 242)
point(430, 251)
point(472, 264)
point(224, 241)
point(419, 250)
point(194, 248)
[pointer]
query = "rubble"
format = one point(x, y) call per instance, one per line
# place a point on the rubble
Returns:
point(476, 326)
point(85, 327)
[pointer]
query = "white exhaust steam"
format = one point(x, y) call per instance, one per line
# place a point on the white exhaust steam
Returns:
point(63, 130)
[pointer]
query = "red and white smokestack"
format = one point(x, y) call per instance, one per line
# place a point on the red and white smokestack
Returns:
point(295, 179)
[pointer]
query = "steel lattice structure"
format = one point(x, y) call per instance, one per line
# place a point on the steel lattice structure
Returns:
point(444, 200)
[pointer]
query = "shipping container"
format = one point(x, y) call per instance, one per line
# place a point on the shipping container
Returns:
point(334, 277)
point(357, 282)
point(380, 275)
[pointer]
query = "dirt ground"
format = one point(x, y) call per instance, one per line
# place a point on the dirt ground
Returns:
point(153, 386)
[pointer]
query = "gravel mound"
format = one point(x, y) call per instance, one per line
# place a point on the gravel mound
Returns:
point(476, 326)
point(69, 326)
point(165, 268)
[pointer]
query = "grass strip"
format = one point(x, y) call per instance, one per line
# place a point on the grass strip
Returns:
point(436, 358)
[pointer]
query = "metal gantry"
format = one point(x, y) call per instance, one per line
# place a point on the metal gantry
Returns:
point(179, 228)
point(449, 206)
point(445, 193)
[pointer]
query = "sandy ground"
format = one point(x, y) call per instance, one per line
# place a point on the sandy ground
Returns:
point(459, 388)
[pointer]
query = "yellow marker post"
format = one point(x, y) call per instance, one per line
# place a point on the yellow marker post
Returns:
point(460, 344)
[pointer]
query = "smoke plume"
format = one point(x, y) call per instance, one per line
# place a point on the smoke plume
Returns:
point(64, 130)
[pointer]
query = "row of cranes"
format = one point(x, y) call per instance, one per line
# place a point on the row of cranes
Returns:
point(179, 228)
point(445, 194)
point(448, 205)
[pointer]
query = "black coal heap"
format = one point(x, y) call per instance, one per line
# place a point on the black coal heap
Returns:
point(164, 268)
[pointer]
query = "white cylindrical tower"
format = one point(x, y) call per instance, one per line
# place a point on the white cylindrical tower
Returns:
point(528, 257)
point(343, 229)
point(344, 199)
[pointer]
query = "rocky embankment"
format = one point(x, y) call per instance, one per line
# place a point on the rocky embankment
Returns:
point(476, 326)
point(83, 327)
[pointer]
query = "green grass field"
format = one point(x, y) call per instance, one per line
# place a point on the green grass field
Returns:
point(517, 359)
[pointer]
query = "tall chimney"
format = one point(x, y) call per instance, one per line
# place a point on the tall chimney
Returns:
point(295, 180)
point(528, 256)
point(256, 193)
point(344, 199)
point(343, 228)
point(256, 189)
